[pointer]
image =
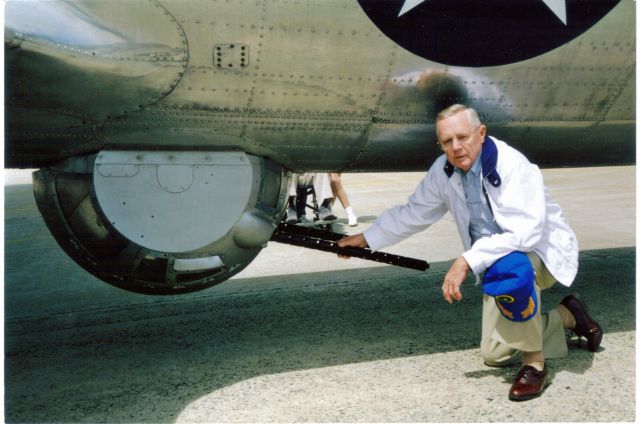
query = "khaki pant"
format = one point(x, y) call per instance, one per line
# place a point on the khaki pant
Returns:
point(503, 341)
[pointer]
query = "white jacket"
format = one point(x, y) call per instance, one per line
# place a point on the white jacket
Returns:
point(521, 206)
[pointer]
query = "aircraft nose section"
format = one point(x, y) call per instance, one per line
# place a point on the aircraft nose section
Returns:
point(90, 60)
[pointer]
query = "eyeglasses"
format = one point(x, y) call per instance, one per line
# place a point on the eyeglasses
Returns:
point(460, 138)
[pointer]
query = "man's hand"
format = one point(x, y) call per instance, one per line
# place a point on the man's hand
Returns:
point(352, 241)
point(454, 279)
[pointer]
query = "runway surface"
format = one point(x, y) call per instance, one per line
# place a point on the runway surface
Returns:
point(304, 336)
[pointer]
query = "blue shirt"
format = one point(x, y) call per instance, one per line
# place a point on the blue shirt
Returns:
point(481, 223)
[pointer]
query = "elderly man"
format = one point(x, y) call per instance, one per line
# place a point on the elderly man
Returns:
point(502, 209)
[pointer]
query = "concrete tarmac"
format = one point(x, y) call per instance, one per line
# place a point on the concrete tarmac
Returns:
point(302, 336)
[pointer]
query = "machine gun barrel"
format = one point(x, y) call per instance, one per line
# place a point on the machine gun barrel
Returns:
point(327, 241)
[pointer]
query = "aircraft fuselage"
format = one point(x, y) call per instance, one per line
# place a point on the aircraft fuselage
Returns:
point(310, 85)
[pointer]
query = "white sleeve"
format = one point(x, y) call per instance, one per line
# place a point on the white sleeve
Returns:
point(424, 207)
point(520, 211)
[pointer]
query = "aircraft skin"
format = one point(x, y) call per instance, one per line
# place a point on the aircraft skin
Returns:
point(166, 131)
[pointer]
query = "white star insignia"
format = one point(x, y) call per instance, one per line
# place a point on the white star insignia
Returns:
point(408, 5)
point(558, 7)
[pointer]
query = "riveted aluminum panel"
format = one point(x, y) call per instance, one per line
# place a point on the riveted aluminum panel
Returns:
point(173, 201)
point(210, 24)
point(104, 60)
point(319, 56)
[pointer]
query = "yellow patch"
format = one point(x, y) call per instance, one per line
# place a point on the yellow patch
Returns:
point(530, 308)
point(505, 298)
point(504, 311)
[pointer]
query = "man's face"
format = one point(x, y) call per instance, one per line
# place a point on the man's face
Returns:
point(461, 142)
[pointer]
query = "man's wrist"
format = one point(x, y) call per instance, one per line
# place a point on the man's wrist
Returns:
point(464, 263)
point(471, 266)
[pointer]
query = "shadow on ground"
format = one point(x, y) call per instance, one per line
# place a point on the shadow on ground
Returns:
point(146, 362)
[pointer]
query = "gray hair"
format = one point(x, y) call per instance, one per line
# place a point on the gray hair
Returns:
point(472, 115)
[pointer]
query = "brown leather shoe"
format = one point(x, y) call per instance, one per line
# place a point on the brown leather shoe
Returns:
point(529, 383)
point(585, 326)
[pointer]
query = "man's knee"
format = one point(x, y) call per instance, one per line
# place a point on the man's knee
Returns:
point(496, 354)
